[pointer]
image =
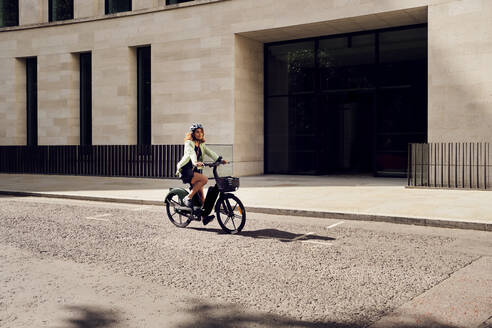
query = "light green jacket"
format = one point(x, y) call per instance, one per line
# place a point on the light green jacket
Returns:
point(190, 155)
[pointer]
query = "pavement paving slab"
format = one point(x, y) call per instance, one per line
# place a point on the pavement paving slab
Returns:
point(339, 197)
point(463, 300)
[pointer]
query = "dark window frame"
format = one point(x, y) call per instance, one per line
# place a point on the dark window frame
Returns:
point(111, 8)
point(51, 11)
point(31, 64)
point(175, 2)
point(9, 21)
point(144, 95)
point(85, 68)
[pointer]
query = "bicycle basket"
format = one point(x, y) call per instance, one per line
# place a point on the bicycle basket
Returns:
point(227, 184)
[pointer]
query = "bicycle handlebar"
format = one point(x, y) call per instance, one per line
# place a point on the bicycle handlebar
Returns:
point(214, 165)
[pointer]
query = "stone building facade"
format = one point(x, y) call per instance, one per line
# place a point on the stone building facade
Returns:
point(208, 66)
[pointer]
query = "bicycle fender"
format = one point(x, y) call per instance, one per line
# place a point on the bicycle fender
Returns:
point(178, 191)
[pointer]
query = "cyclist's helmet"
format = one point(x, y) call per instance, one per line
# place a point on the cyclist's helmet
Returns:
point(195, 126)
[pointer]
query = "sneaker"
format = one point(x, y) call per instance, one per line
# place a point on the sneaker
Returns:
point(208, 219)
point(188, 202)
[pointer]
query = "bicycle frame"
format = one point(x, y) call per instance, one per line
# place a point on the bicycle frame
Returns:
point(213, 194)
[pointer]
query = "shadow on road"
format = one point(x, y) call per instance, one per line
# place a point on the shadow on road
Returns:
point(200, 314)
point(228, 316)
point(283, 236)
point(206, 315)
point(90, 317)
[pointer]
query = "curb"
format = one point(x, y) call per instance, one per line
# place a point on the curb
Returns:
point(376, 218)
point(290, 212)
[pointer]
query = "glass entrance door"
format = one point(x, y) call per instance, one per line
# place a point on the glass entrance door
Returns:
point(346, 103)
point(292, 113)
point(347, 132)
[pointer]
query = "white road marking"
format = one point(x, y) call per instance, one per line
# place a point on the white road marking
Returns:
point(136, 209)
point(334, 225)
point(300, 237)
point(316, 242)
point(98, 217)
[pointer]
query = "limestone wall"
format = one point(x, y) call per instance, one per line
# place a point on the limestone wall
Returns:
point(248, 104)
point(33, 11)
point(13, 102)
point(88, 8)
point(207, 66)
point(460, 71)
point(58, 105)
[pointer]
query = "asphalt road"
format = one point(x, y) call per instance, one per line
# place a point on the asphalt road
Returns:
point(87, 264)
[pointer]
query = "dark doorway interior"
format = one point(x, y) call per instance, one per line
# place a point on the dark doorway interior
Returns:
point(346, 103)
point(347, 145)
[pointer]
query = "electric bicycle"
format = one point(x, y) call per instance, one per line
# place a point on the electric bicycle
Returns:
point(229, 210)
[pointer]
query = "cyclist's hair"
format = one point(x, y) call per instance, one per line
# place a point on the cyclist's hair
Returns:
point(191, 136)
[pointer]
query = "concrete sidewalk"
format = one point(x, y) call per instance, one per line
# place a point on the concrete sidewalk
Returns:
point(343, 197)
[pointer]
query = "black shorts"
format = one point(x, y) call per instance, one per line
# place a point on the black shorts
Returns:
point(187, 172)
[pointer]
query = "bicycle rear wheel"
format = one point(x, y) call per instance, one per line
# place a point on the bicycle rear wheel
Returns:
point(175, 216)
point(230, 213)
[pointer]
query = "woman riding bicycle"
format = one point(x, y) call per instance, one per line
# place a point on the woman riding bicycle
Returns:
point(191, 165)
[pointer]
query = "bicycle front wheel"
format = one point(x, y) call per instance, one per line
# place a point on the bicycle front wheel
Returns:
point(230, 213)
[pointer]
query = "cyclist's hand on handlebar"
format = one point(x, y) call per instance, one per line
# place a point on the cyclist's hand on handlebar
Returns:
point(199, 164)
point(224, 161)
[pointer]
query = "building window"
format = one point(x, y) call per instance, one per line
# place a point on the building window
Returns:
point(9, 13)
point(32, 100)
point(117, 6)
point(85, 99)
point(143, 96)
point(173, 2)
point(60, 10)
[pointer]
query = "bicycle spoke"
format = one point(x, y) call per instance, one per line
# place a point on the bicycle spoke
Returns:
point(227, 220)
point(225, 211)
point(234, 224)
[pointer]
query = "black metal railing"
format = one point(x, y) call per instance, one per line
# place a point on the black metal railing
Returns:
point(152, 161)
point(463, 165)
